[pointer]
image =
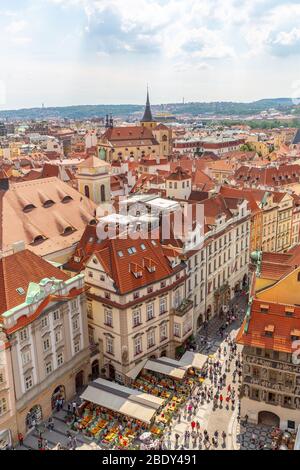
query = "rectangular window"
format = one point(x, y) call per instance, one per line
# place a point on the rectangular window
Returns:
point(56, 315)
point(150, 311)
point(138, 346)
point(58, 336)
point(46, 344)
point(151, 339)
point(177, 330)
point(76, 347)
point(60, 359)
point(162, 305)
point(48, 368)
point(3, 406)
point(2, 379)
point(108, 317)
point(136, 318)
point(74, 305)
point(23, 335)
point(163, 332)
point(44, 322)
point(28, 382)
point(109, 345)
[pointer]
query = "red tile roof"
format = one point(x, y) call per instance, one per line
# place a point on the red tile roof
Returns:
point(277, 318)
point(18, 270)
point(121, 268)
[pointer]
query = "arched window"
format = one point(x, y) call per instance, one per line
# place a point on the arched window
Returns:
point(87, 191)
point(102, 193)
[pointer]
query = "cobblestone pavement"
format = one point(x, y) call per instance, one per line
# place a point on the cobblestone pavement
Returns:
point(220, 419)
point(262, 434)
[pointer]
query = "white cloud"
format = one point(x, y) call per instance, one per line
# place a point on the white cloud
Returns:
point(16, 26)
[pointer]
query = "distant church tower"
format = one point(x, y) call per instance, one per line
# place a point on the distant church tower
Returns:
point(148, 120)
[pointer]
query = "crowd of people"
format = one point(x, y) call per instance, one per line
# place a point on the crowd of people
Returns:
point(221, 388)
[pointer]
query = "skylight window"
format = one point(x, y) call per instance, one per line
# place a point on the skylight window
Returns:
point(131, 250)
point(20, 291)
point(120, 254)
point(153, 242)
point(143, 247)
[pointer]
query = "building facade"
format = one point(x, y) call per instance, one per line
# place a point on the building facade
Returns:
point(45, 324)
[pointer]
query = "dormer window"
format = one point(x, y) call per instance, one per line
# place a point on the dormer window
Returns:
point(38, 239)
point(29, 208)
point(264, 308)
point(68, 230)
point(295, 335)
point(289, 312)
point(48, 203)
point(67, 199)
point(269, 331)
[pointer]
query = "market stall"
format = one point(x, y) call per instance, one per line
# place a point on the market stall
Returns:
point(115, 415)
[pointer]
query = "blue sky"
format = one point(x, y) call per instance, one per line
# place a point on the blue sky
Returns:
point(64, 52)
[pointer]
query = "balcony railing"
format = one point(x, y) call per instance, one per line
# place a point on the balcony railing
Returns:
point(185, 307)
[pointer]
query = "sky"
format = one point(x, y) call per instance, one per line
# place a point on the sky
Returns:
point(71, 52)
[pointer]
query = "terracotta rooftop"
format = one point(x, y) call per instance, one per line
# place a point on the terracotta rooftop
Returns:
point(47, 214)
point(121, 258)
point(17, 271)
point(276, 317)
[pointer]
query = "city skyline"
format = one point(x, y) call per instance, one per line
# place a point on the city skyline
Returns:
point(73, 52)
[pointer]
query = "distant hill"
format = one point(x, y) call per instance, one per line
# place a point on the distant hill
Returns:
point(221, 108)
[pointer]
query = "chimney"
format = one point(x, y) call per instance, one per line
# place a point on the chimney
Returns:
point(18, 246)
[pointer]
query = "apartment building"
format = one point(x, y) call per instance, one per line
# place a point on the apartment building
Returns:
point(270, 337)
point(45, 339)
point(218, 268)
point(136, 300)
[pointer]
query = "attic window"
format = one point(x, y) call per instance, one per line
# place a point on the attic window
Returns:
point(143, 247)
point(289, 312)
point(264, 308)
point(131, 250)
point(120, 254)
point(153, 242)
point(67, 199)
point(20, 291)
point(295, 335)
point(269, 331)
point(48, 203)
point(29, 208)
point(68, 230)
point(37, 240)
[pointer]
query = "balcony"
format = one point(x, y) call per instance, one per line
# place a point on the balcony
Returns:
point(185, 307)
point(94, 349)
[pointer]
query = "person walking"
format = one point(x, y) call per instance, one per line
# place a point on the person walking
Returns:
point(20, 438)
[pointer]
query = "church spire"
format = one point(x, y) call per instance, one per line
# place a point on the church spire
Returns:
point(148, 113)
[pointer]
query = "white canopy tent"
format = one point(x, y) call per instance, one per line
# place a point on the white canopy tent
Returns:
point(123, 400)
point(170, 367)
point(192, 359)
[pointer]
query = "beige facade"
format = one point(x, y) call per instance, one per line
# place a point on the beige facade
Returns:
point(49, 349)
point(284, 225)
point(220, 267)
point(150, 322)
point(93, 178)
